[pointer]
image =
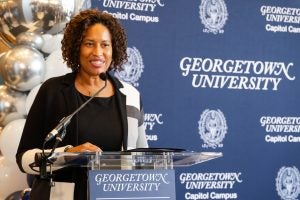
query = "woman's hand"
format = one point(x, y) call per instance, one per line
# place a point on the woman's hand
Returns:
point(85, 147)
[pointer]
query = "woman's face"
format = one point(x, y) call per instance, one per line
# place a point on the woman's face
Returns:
point(95, 50)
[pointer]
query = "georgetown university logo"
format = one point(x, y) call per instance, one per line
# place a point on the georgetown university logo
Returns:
point(212, 128)
point(288, 183)
point(131, 70)
point(213, 15)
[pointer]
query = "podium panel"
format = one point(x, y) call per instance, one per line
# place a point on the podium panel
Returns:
point(132, 184)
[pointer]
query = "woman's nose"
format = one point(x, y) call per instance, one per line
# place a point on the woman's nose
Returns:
point(98, 50)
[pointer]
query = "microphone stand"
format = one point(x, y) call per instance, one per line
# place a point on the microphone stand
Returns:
point(60, 132)
point(43, 159)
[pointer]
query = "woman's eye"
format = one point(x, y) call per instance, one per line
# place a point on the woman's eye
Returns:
point(89, 44)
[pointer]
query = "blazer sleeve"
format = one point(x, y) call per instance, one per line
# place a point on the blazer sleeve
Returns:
point(135, 117)
point(45, 112)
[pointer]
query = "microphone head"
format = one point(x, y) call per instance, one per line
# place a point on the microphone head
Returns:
point(103, 76)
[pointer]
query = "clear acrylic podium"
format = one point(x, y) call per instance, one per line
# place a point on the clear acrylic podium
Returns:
point(133, 159)
point(126, 163)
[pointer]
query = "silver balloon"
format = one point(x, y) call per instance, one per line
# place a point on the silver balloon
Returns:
point(37, 16)
point(32, 39)
point(1, 59)
point(23, 68)
point(9, 104)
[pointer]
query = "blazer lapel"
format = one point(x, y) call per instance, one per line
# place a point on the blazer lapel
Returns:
point(71, 103)
point(121, 99)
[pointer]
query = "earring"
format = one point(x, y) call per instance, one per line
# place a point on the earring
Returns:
point(76, 69)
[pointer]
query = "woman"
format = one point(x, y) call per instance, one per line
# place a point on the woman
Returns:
point(94, 42)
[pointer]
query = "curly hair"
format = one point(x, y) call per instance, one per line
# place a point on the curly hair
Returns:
point(75, 32)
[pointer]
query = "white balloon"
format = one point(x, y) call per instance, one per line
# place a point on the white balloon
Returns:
point(20, 104)
point(46, 37)
point(30, 97)
point(55, 65)
point(11, 178)
point(51, 43)
point(10, 138)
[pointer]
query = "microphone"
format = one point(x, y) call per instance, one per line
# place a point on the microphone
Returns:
point(66, 120)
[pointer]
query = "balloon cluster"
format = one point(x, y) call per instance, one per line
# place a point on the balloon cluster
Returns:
point(32, 30)
point(23, 68)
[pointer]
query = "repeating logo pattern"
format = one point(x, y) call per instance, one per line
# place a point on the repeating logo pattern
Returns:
point(288, 183)
point(132, 70)
point(213, 15)
point(212, 128)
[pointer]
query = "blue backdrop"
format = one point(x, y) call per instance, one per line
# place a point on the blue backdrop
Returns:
point(219, 76)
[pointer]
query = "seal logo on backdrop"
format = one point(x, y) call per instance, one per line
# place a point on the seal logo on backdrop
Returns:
point(131, 70)
point(213, 15)
point(288, 183)
point(212, 128)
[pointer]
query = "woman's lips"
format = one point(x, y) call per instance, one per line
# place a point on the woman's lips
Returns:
point(97, 63)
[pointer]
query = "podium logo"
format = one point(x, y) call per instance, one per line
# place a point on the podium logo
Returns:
point(213, 15)
point(288, 183)
point(131, 70)
point(212, 128)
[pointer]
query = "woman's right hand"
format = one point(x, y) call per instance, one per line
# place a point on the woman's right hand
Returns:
point(85, 147)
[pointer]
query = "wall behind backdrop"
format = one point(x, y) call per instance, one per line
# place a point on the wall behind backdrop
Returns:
point(219, 76)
